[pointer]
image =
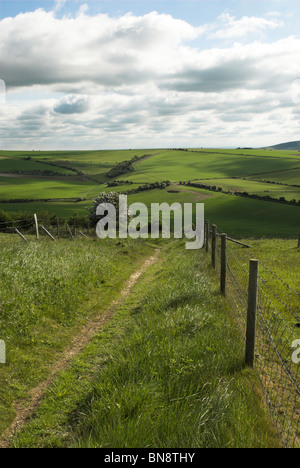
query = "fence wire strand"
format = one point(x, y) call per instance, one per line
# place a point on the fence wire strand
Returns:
point(278, 312)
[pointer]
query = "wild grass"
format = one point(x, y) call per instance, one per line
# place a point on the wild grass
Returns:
point(47, 291)
point(278, 271)
point(167, 371)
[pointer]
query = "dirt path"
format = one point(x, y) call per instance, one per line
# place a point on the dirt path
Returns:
point(25, 410)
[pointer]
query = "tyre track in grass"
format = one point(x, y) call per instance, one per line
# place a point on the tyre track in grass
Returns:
point(25, 410)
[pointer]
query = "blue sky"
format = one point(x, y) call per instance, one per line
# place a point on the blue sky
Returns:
point(110, 74)
point(193, 11)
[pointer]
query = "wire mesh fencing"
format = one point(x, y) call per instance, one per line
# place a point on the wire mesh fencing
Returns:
point(276, 345)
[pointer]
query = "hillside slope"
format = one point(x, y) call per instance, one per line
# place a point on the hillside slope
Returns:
point(290, 146)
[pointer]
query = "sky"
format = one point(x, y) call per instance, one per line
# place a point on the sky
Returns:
point(148, 74)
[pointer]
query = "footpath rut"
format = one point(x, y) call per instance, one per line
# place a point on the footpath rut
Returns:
point(23, 413)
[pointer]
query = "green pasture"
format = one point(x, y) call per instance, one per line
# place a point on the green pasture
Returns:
point(224, 168)
point(21, 165)
point(253, 152)
point(235, 215)
point(96, 164)
point(60, 209)
point(255, 187)
point(31, 188)
point(291, 177)
point(182, 165)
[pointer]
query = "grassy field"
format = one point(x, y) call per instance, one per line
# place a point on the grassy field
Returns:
point(291, 177)
point(255, 187)
point(234, 215)
point(22, 165)
point(47, 292)
point(279, 260)
point(182, 165)
point(166, 371)
point(27, 188)
point(85, 176)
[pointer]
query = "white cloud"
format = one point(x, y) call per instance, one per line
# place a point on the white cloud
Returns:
point(2, 92)
point(142, 79)
point(228, 27)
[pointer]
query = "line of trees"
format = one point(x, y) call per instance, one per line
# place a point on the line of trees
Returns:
point(125, 166)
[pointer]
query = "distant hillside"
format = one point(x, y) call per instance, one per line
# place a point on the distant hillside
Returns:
point(291, 146)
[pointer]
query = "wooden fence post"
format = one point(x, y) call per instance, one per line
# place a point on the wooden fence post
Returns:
point(36, 226)
point(251, 314)
point(223, 263)
point(48, 233)
point(214, 245)
point(21, 235)
point(70, 232)
point(82, 234)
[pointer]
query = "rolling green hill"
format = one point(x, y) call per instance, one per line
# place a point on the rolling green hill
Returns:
point(64, 178)
point(292, 145)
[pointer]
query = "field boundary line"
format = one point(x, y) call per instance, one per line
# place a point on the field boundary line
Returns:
point(79, 342)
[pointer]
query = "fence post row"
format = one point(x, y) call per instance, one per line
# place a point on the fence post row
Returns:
point(252, 291)
point(252, 313)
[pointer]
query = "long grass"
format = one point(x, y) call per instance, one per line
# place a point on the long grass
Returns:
point(47, 291)
point(166, 372)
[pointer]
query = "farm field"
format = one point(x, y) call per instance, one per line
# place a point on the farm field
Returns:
point(291, 177)
point(235, 215)
point(184, 384)
point(27, 188)
point(190, 368)
point(182, 165)
point(86, 175)
point(255, 187)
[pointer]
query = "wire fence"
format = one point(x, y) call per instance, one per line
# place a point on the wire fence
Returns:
point(277, 332)
point(277, 314)
point(48, 227)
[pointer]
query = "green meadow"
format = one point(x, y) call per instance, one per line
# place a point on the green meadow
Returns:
point(79, 176)
point(257, 188)
point(167, 369)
